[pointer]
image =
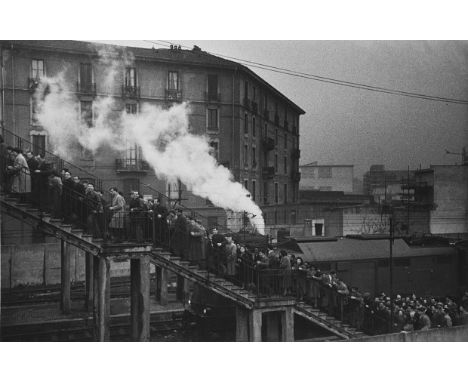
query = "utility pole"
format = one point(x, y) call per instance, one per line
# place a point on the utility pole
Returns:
point(391, 269)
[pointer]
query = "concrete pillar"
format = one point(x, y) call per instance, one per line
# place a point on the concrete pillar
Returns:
point(161, 285)
point(287, 325)
point(104, 300)
point(140, 298)
point(65, 277)
point(89, 281)
point(255, 325)
point(242, 324)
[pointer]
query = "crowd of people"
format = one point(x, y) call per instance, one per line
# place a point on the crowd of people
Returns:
point(266, 270)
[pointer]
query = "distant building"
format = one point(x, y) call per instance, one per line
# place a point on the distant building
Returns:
point(443, 191)
point(327, 177)
point(385, 185)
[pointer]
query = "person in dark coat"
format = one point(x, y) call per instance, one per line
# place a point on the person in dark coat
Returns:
point(137, 209)
point(180, 234)
point(67, 197)
point(160, 221)
point(33, 165)
point(215, 256)
point(94, 207)
point(78, 193)
point(55, 189)
point(3, 161)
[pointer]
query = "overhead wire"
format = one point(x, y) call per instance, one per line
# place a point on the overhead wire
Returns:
point(324, 79)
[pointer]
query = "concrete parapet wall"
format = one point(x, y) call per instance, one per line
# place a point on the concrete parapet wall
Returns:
point(453, 334)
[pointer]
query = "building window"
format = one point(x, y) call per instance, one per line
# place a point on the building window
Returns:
point(130, 185)
point(214, 145)
point(265, 193)
point(246, 124)
point(246, 155)
point(246, 184)
point(265, 130)
point(130, 77)
point(173, 80)
point(293, 216)
point(87, 113)
point(276, 217)
point(246, 90)
point(254, 157)
point(212, 117)
point(324, 172)
point(276, 162)
point(37, 69)
point(254, 189)
point(212, 86)
point(38, 144)
point(285, 140)
point(131, 155)
point(254, 127)
point(294, 193)
point(276, 193)
point(212, 222)
point(86, 77)
point(276, 137)
point(131, 108)
point(285, 164)
point(285, 192)
point(265, 102)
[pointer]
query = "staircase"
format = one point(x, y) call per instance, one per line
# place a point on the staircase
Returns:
point(32, 216)
point(207, 279)
point(326, 322)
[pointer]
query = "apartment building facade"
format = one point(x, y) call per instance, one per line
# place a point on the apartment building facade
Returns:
point(252, 127)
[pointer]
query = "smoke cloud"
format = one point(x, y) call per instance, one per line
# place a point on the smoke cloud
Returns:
point(164, 136)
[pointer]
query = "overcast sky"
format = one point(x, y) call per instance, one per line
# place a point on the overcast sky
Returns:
point(344, 125)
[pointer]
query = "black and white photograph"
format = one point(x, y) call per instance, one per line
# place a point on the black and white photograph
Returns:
point(175, 189)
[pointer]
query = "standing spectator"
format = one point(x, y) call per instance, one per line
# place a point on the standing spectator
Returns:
point(94, 207)
point(285, 266)
point(231, 258)
point(67, 197)
point(55, 187)
point(117, 209)
point(137, 216)
point(42, 174)
point(180, 234)
point(21, 183)
point(160, 221)
point(79, 191)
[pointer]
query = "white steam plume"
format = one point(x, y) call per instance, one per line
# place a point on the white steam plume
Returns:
point(163, 135)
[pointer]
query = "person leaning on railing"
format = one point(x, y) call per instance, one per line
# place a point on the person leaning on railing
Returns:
point(117, 211)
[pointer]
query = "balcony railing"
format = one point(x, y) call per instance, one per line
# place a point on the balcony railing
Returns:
point(247, 103)
point(212, 97)
point(296, 176)
point(254, 107)
point(268, 144)
point(131, 165)
point(173, 95)
point(295, 153)
point(266, 115)
point(130, 91)
point(86, 89)
point(268, 172)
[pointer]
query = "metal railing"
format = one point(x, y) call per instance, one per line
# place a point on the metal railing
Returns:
point(53, 161)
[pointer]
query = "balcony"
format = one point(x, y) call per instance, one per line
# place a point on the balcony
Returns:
point(254, 107)
point(276, 119)
point(247, 103)
point(268, 144)
point(266, 115)
point(86, 89)
point(173, 95)
point(296, 177)
point(268, 172)
point(131, 165)
point(295, 153)
point(33, 83)
point(130, 92)
point(212, 97)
